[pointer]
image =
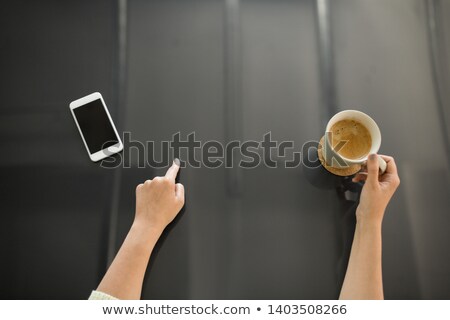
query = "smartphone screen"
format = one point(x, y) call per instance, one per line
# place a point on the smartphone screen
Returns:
point(95, 125)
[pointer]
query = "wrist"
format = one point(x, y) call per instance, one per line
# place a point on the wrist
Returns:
point(365, 223)
point(148, 222)
point(369, 217)
point(146, 230)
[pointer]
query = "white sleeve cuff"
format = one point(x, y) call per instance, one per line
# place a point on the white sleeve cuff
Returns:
point(98, 295)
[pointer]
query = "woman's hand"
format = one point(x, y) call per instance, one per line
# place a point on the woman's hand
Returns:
point(363, 279)
point(159, 200)
point(377, 190)
point(157, 203)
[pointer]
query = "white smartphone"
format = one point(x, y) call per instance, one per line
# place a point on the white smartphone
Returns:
point(96, 126)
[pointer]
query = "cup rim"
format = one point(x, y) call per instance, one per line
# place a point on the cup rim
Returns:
point(369, 118)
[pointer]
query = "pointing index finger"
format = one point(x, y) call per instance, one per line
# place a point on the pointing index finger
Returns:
point(173, 170)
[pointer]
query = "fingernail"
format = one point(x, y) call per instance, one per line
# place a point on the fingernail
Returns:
point(176, 161)
point(373, 157)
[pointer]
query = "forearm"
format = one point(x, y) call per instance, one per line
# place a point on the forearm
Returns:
point(363, 279)
point(124, 277)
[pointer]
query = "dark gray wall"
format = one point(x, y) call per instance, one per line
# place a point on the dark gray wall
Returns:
point(224, 70)
point(54, 201)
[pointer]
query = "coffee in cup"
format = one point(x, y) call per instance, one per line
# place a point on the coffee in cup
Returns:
point(356, 136)
point(349, 139)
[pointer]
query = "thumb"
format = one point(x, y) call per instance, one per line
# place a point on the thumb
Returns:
point(372, 169)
